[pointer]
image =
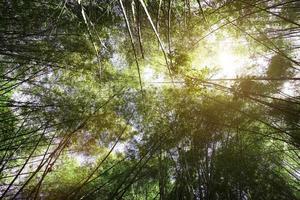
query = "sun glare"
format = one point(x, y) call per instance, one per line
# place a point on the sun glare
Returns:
point(223, 54)
point(229, 61)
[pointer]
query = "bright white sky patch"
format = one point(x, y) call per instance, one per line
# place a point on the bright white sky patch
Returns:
point(83, 159)
point(150, 77)
point(229, 61)
point(288, 89)
point(148, 74)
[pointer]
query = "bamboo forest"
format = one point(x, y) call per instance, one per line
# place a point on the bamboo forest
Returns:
point(150, 99)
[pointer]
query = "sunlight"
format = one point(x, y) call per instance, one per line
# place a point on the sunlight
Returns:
point(150, 77)
point(148, 74)
point(225, 55)
point(150, 99)
point(228, 61)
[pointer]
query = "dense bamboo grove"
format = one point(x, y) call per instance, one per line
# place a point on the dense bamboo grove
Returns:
point(150, 99)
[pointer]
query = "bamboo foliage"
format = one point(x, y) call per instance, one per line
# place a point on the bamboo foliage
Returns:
point(77, 122)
